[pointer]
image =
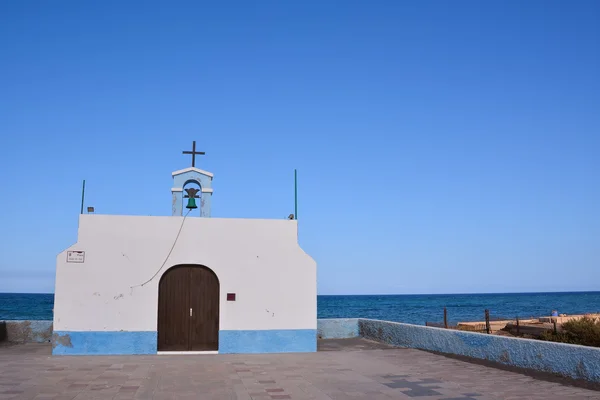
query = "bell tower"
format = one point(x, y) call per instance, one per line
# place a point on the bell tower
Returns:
point(184, 190)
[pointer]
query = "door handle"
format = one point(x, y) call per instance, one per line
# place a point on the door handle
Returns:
point(190, 311)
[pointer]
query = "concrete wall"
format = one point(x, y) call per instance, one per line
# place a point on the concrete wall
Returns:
point(259, 260)
point(337, 328)
point(26, 331)
point(578, 362)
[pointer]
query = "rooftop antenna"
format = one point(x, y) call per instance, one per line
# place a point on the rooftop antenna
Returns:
point(295, 194)
point(82, 196)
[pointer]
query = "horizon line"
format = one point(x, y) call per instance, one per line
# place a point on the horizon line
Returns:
point(461, 293)
point(404, 294)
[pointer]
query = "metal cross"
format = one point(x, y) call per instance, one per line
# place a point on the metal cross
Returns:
point(193, 153)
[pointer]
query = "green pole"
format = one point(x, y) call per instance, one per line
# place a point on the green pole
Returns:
point(82, 195)
point(295, 194)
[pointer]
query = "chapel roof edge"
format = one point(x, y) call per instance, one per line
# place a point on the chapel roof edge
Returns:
point(189, 169)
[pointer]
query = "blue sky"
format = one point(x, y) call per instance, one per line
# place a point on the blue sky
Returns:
point(441, 147)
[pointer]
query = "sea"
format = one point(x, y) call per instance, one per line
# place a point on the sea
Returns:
point(414, 309)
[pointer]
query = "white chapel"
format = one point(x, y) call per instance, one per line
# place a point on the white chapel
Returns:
point(183, 283)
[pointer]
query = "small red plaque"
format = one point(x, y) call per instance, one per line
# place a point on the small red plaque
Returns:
point(230, 296)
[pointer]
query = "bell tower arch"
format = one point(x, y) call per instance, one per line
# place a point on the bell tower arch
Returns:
point(192, 186)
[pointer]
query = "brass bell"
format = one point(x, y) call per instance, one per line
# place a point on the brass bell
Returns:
point(191, 196)
point(191, 203)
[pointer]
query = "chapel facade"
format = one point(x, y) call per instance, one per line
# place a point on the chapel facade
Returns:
point(185, 283)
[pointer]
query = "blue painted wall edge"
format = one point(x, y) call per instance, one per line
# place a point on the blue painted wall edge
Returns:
point(120, 342)
point(103, 343)
point(268, 341)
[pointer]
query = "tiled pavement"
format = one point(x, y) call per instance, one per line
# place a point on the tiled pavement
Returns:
point(363, 371)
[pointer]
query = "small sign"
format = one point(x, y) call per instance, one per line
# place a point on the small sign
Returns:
point(75, 256)
point(230, 296)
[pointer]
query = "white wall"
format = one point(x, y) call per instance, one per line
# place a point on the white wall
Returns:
point(259, 260)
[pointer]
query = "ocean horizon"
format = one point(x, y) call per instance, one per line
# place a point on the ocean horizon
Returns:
point(409, 308)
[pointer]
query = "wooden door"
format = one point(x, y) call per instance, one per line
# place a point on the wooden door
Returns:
point(204, 302)
point(188, 309)
point(173, 309)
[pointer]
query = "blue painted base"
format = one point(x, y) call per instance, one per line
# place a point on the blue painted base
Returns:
point(268, 341)
point(120, 343)
point(103, 343)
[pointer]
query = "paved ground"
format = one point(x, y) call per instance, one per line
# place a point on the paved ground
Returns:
point(362, 370)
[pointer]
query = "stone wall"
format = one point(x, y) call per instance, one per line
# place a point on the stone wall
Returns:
point(26, 331)
point(579, 362)
point(337, 328)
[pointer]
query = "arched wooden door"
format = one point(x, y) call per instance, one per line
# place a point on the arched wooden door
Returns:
point(188, 309)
